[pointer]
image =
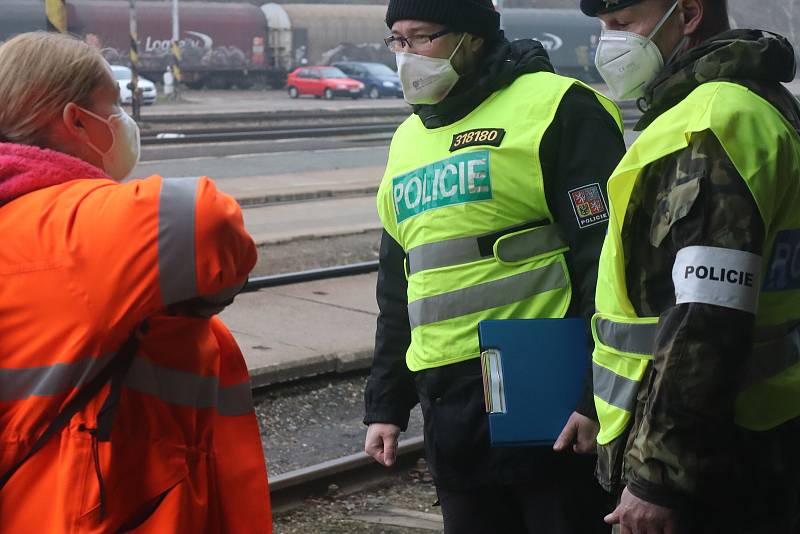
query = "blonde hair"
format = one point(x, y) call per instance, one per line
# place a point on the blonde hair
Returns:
point(40, 73)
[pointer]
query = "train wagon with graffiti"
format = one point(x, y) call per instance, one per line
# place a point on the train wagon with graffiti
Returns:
point(221, 44)
point(239, 44)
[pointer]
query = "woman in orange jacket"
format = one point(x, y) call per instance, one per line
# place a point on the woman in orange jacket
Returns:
point(122, 408)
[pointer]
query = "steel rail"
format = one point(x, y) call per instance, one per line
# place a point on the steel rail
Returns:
point(341, 271)
point(350, 473)
point(263, 116)
point(147, 134)
point(271, 134)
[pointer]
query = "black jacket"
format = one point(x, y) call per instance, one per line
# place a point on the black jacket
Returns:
point(581, 147)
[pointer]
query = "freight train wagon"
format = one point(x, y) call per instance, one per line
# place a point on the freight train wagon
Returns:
point(227, 44)
point(569, 36)
point(19, 16)
point(222, 44)
point(322, 34)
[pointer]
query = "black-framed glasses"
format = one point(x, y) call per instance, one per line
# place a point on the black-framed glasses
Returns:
point(418, 42)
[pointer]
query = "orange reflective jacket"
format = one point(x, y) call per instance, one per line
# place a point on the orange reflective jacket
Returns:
point(84, 262)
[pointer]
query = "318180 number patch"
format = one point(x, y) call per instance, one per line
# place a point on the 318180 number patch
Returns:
point(478, 137)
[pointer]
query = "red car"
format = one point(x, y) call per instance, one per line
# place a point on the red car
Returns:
point(325, 82)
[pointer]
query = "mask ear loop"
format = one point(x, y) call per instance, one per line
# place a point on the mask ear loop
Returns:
point(107, 122)
point(663, 20)
point(678, 50)
point(457, 47)
point(641, 102)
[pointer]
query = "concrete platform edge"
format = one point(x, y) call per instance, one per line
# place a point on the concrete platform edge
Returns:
point(311, 367)
point(277, 198)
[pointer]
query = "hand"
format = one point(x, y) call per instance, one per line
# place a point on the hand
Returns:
point(636, 516)
point(580, 432)
point(381, 442)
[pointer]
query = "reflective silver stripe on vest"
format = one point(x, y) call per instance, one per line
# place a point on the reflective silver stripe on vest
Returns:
point(463, 250)
point(486, 296)
point(46, 381)
point(176, 229)
point(530, 243)
point(771, 358)
point(625, 337)
point(614, 389)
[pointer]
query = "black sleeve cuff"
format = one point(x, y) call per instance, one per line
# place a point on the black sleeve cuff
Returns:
point(389, 415)
point(657, 495)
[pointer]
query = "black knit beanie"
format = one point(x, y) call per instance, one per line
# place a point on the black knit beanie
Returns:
point(477, 17)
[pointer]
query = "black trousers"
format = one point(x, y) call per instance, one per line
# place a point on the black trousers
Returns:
point(571, 504)
point(507, 490)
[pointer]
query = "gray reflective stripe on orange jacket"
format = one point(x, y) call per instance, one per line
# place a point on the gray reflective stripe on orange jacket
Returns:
point(170, 385)
point(188, 389)
point(526, 244)
point(46, 381)
point(176, 234)
point(486, 296)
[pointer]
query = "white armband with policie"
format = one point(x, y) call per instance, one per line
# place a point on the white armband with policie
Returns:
point(719, 276)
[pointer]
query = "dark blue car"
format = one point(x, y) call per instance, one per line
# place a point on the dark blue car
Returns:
point(378, 79)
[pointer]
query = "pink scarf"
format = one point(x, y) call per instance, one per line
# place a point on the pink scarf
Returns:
point(24, 169)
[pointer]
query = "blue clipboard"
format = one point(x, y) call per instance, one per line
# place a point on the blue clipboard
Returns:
point(533, 375)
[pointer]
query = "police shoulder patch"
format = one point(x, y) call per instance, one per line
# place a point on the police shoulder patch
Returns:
point(478, 137)
point(589, 205)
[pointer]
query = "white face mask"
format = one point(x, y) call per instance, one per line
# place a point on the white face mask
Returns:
point(628, 61)
point(426, 80)
point(123, 154)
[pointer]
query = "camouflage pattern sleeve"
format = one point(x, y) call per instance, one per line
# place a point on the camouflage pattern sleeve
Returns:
point(681, 445)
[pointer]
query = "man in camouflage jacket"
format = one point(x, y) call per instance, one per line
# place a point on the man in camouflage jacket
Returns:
point(683, 464)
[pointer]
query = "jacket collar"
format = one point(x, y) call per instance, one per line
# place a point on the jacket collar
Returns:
point(504, 63)
point(751, 55)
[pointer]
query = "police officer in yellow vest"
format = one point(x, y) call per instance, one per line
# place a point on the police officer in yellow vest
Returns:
point(494, 207)
point(697, 345)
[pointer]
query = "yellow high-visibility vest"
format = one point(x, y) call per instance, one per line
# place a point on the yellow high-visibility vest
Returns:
point(467, 204)
point(765, 150)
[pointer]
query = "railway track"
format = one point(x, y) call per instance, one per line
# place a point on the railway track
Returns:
point(274, 116)
point(238, 127)
point(348, 474)
point(230, 135)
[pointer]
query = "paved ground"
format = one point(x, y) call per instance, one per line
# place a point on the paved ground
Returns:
point(264, 178)
point(304, 330)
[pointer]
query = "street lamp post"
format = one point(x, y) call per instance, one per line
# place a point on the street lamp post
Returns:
point(134, 56)
point(56, 15)
point(176, 48)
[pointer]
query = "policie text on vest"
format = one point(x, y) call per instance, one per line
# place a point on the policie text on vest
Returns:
point(455, 180)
